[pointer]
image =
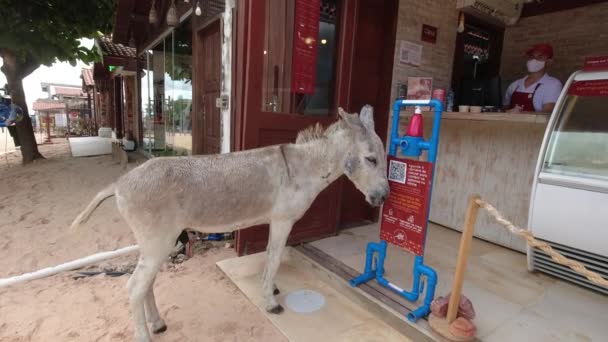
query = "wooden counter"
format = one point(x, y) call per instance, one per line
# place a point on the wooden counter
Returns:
point(489, 116)
point(491, 154)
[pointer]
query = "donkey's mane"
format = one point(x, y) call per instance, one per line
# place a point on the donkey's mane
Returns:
point(317, 132)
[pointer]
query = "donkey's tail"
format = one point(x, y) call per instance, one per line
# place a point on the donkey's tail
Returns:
point(101, 196)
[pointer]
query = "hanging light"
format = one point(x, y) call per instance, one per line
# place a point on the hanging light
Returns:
point(172, 19)
point(461, 23)
point(132, 42)
point(187, 1)
point(198, 10)
point(153, 17)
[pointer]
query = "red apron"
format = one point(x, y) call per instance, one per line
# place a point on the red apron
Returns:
point(524, 99)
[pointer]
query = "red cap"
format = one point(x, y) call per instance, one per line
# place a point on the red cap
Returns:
point(545, 49)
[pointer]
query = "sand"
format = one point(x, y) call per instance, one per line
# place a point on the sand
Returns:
point(38, 203)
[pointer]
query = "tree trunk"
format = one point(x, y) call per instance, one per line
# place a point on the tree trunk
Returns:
point(14, 75)
point(25, 131)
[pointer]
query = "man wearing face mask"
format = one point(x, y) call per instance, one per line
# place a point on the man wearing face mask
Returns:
point(537, 91)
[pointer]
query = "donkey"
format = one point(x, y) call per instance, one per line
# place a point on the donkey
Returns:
point(219, 193)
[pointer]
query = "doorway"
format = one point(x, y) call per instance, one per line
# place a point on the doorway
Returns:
point(475, 72)
point(297, 61)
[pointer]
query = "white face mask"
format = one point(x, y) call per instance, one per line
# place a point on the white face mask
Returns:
point(535, 65)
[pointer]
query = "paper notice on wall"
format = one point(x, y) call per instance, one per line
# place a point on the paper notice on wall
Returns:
point(420, 88)
point(410, 53)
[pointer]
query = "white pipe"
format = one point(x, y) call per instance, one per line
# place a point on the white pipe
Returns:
point(419, 102)
point(49, 271)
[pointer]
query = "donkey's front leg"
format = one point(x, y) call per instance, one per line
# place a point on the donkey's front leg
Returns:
point(279, 231)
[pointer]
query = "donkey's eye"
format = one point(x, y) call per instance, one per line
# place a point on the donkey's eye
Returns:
point(372, 160)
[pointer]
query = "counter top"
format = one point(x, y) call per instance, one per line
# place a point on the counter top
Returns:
point(490, 116)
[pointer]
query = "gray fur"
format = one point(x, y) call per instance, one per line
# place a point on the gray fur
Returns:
point(219, 193)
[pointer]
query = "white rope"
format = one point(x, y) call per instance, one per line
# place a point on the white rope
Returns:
point(68, 266)
point(545, 247)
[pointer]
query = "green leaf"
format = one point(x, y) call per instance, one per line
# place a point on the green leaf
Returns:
point(47, 31)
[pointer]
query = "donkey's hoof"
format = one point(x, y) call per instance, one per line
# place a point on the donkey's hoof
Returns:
point(160, 328)
point(277, 309)
point(276, 291)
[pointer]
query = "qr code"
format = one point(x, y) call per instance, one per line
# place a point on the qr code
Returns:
point(397, 171)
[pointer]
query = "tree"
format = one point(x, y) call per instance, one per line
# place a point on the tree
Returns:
point(39, 32)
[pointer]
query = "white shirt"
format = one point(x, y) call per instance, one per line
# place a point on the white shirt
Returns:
point(547, 92)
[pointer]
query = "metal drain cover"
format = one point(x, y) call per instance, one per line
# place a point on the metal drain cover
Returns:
point(304, 301)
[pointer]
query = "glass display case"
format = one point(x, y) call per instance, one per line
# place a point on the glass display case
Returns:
point(570, 187)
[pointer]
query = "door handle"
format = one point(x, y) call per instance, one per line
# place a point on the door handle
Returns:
point(274, 103)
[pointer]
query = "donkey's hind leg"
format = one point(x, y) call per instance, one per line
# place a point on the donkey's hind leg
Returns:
point(152, 253)
point(152, 315)
point(279, 231)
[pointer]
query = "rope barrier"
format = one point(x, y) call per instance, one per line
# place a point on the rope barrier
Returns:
point(557, 257)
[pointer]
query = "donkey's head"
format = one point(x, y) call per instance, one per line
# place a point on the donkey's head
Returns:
point(365, 158)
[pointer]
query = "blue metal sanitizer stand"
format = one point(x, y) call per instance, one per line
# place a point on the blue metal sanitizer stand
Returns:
point(410, 147)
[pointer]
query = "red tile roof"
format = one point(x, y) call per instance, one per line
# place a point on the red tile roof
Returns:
point(110, 48)
point(87, 77)
point(47, 105)
point(69, 91)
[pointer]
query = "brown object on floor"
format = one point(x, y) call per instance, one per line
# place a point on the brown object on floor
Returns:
point(463, 327)
point(451, 327)
point(465, 308)
point(439, 307)
point(464, 331)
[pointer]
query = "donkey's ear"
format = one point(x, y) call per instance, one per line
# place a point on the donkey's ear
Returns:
point(349, 119)
point(343, 114)
point(367, 117)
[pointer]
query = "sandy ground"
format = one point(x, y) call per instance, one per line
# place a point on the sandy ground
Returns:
point(7, 144)
point(38, 203)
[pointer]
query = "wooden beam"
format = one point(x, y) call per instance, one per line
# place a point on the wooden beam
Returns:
point(544, 7)
point(122, 21)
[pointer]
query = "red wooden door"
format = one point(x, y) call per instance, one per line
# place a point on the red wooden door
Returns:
point(370, 83)
point(274, 113)
point(206, 124)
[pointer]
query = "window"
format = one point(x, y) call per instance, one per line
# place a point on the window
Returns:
point(178, 90)
point(300, 53)
point(579, 143)
point(167, 94)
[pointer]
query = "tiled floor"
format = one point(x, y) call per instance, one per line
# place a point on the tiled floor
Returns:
point(339, 319)
point(511, 303)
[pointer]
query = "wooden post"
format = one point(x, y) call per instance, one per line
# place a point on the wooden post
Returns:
point(48, 127)
point(463, 256)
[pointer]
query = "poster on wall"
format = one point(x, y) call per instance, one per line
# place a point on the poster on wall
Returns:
point(429, 34)
point(410, 53)
point(420, 88)
point(405, 212)
point(306, 33)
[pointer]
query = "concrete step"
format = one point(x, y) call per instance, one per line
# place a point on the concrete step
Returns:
point(343, 317)
point(381, 302)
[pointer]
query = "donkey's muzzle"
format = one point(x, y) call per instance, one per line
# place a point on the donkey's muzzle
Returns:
point(379, 197)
